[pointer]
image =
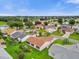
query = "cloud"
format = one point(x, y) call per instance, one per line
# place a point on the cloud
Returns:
point(59, 9)
point(27, 12)
point(73, 1)
point(6, 14)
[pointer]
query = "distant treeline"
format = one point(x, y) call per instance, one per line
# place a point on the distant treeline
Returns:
point(25, 18)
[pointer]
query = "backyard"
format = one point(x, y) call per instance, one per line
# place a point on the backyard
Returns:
point(34, 54)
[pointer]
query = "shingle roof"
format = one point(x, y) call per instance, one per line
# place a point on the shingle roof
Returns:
point(22, 36)
point(18, 34)
point(9, 30)
point(38, 41)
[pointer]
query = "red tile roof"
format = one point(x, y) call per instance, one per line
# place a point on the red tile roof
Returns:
point(39, 41)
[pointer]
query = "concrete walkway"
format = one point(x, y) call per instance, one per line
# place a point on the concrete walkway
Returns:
point(66, 35)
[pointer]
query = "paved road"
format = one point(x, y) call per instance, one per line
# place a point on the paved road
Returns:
point(62, 38)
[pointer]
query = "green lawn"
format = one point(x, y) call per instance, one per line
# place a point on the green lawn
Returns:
point(58, 33)
point(11, 49)
point(74, 36)
point(58, 41)
point(37, 54)
point(42, 30)
point(2, 23)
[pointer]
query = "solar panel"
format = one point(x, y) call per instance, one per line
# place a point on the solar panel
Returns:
point(16, 34)
point(22, 36)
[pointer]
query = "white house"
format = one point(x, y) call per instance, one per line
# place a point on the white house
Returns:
point(4, 54)
point(2, 27)
point(76, 27)
point(67, 30)
point(61, 52)
point(40, 42)
point(50, 28)
point(20, 36)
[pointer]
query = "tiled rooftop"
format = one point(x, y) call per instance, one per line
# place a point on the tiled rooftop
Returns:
point(39, 41)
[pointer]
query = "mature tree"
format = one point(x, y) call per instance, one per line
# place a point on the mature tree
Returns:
point(20, 55)
point(45, 23)
point(60, 21)
point(15, 24)
point(29, 24)
point(72, 22)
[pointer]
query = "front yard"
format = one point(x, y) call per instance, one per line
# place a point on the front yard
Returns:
point(74, 36)
point(58, 33)
point(62, 42)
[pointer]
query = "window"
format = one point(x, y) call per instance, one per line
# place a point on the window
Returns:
point(3, 43)
point(32, 44)
point(28, 42)
point(37, 47)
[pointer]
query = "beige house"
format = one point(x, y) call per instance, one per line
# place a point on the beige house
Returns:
point(2, 43)
point(40, 42)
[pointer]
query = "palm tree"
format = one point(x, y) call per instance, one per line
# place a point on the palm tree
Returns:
point(66, 41)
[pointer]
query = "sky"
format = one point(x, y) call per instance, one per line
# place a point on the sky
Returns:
point(39, 7)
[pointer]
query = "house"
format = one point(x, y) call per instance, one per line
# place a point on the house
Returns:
point(67, 30)
point(2, 27)
point(4, 54)
point(2, 43)
point(44, 18)
point(9, 31)
point(50, 28)
point(76, 28)
point(40, 42)
point(60, 52)
point(38, 24)
point(20, 36)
